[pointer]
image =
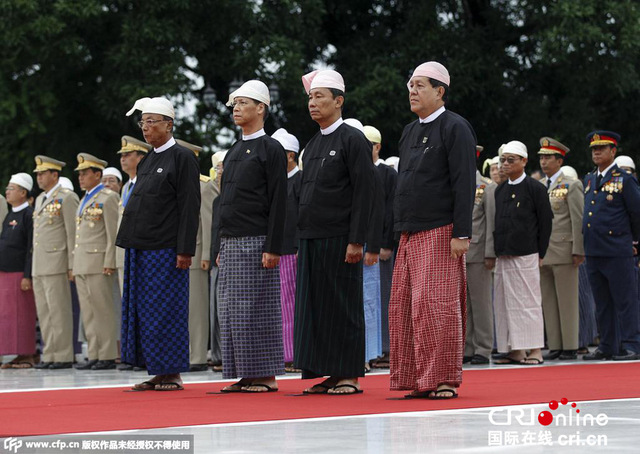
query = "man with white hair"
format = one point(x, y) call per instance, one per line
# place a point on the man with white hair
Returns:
point(521, 237)
point(432, 211)
point(289, 258)
point(158, 231)
point(253, 202)
point(338, 179)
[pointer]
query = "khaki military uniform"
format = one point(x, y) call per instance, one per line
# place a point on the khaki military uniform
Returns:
point(54, 231)
point(119, 250)
point(4, 209)
point(199, 279)
point(479, 335)
point(95, 250)
point(558, 276)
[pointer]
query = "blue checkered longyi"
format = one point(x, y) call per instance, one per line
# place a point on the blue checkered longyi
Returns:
point(155, 312)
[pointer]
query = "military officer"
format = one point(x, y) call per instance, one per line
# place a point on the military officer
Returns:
point(199, 274)
point(481, 259)
point(611, 225)
point(559, 273)
point(94, 263)
point(54, 230)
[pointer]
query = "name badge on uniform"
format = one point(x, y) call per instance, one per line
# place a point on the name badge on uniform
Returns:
point(159, 170)
point(332, 153)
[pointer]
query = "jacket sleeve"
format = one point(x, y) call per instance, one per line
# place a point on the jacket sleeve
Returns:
point(391, 178)
point(461, 149)
point(575, 199)
point(374, 237)
point(490, 220)
point(631, 197)
point(69, 209)
point(544, 215)
point(110, 215)
point(28, 222)
point(206, 216)
point(277, 198)
point(362, 175)
point(188, 201)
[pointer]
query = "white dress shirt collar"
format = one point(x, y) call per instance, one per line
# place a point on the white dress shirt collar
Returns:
point(554, 177)
point(293, 172)
point(50, 193)
point(20, 208)
point(518, 180)
point(603, 173)
point(254, 135)
point(433, 116)
point(171, 142)
point(330, 129)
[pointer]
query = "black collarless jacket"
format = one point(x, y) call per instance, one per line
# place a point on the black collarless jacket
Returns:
point(164, 208)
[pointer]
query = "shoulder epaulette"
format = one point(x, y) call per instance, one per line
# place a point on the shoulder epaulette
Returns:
point(205, 179)
point(487, 180)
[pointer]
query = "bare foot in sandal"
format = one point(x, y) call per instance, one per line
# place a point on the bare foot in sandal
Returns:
point(237, 387)
point(323, 387)
point(261, 385)
point(346, 386)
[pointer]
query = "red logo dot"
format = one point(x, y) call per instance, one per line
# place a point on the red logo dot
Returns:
point(573, 405)
point(564, 401)
point(553, 405)
point(545, 418)
point(578, 411)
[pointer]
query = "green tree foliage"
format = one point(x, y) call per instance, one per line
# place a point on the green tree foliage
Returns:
point(519, 69)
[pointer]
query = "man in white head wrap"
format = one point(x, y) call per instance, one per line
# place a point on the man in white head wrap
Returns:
point(521, 238)
point(433, 211)
point(112, 179)
point(17, 304)
point(252, 210)
point(158, 232)
point(338, 179)
point(289, 258)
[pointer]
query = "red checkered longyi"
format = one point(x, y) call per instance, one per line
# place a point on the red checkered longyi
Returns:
point(427, 312)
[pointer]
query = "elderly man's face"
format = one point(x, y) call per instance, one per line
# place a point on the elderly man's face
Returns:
point(494, 173)
point(323, 107)
point(112, 182)
point(157, 133)
point(15, 194)
point(423, 97)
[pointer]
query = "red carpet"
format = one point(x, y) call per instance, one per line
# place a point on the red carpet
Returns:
point(93, 410)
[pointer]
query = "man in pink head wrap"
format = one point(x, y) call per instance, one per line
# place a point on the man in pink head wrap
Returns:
point(337, 182)
point(433, 212)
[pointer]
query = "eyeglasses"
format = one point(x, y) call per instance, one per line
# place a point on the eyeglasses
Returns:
point(510, 160)
point(149, 123)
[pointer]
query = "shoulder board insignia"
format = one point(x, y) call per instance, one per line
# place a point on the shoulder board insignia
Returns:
point(65, 190)
point(487, 180)
point(205, 179)
point(107, 191)
point(615, 174)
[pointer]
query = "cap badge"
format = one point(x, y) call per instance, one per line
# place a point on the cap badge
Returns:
point(545, 143)
point(595, 137)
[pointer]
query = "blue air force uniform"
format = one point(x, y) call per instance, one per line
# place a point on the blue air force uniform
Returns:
point(611, 224)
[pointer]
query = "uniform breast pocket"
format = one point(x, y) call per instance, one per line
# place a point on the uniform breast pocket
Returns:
point(332, 170)
point(158, 182)
point(250, 174)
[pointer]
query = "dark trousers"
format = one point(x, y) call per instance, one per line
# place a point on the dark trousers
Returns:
point(615, 290)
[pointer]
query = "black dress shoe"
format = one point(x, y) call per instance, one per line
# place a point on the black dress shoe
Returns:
point(198, 367)
point(627, 355)
point(568, 355)
point(104, 365)
point(479, 359)
point(553, 354)
point(61, 365)
point(124, 366)
point(87, 365)
point(597, 355)
point(43, 365)
point(466, 359)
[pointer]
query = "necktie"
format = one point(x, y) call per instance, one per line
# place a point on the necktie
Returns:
point(548, 183)
point(44, 200)
point(125, 199)
point(598, 180)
